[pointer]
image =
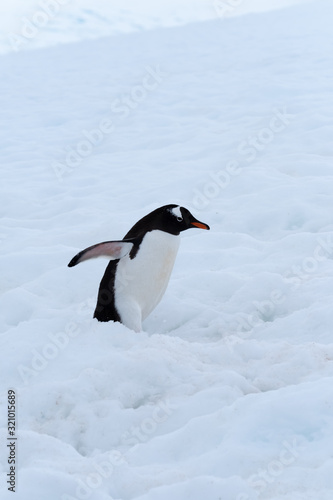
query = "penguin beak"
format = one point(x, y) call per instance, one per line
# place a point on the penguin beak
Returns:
point(199, 224)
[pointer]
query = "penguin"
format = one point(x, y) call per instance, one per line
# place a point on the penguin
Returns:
point(140, 265)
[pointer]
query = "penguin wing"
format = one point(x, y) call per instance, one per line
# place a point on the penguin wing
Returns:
point(112, 249)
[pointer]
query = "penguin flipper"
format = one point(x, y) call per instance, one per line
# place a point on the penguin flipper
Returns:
point(111, 249)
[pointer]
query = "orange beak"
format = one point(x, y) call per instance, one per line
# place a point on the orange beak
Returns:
point(201, 225)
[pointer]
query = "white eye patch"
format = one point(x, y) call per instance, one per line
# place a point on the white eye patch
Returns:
point(177, 213)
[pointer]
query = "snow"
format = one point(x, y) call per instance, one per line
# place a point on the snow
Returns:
point(227, 392)
point(27, 24)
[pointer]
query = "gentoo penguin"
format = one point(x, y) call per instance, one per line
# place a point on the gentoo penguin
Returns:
point(140, 267)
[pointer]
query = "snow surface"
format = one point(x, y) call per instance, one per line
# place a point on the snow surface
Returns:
point(227, 394)
point(27, 24)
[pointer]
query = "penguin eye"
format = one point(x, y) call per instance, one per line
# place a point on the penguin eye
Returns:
point(179, 219)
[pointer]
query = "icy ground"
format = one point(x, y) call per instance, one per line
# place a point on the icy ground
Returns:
point(227, 394)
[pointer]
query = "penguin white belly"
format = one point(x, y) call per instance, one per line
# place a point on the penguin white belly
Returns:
point(140, 283)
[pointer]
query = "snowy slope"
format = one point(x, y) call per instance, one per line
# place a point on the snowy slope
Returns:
point(27, 24)
point(227, 393)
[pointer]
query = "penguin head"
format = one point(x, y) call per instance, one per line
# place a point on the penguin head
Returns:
point(177, 219)
point(171, 219)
